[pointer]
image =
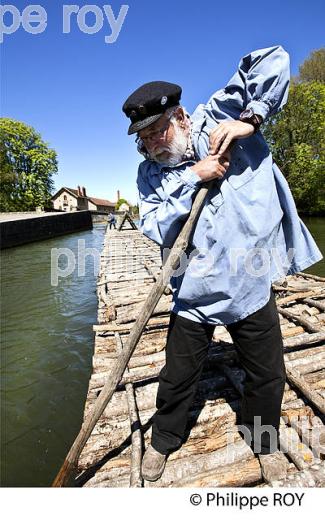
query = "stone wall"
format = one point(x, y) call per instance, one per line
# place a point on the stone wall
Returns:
point(20, 231)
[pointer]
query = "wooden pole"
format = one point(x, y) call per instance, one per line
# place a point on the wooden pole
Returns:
point(136, 437)
point(179, 247)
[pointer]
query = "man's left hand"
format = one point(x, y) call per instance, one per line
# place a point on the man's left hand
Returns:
point(222, 136)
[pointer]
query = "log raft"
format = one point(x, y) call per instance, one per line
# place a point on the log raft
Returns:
point(214, 453)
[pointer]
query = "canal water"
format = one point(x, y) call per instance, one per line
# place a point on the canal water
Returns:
point(47, 346)
point(316, 226)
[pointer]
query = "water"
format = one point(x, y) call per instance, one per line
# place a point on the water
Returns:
point(46, 354)
point(316, 226)
point(45, 358)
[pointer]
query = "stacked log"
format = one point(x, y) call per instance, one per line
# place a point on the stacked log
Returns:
point(214, 453)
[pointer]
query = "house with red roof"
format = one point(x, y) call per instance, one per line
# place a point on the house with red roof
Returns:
point(69, 199)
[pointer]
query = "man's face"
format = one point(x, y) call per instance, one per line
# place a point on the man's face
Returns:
point(166, 140)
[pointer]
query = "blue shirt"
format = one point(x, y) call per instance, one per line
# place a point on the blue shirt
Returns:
point(248, 234)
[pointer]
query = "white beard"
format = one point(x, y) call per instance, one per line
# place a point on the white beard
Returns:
point(176, 149)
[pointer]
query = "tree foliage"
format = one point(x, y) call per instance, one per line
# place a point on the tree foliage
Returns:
point(135, 210)
point(313, 68)
point(296, 137)
point(7, 180)
point(27, 166)
point(120, 202)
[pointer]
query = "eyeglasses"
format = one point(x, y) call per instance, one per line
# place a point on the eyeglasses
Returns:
point(157, 133)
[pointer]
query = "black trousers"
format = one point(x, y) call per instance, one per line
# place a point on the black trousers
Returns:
point(259, 345)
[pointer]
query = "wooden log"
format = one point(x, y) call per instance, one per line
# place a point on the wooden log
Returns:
point(156, 322)
point(202, 441)
point(310, 367)
point(305, 286)
point(129, 313)
point(288, 395)
point(216, 419)
point(289, 332)
point(314, 476)
point(128, 277)
point(315, 377)
point(290, 443)
point(136, 455)
point(292, 405)
point(306, 360)
point(311, 276)
point(305, 323)
point(178, 470)
point(318, 304)
point(304, 339)
point(298, 381)
point(310, 351)
point(242, 473)
point(156, 354)
point(311, 430)
point(136, 437)
point(296, 296)
point(152, 371)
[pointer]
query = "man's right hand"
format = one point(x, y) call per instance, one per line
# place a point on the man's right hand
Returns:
point(212, 167)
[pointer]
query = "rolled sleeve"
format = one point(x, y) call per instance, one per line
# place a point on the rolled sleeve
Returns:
point(261, 83)
point(260, 108)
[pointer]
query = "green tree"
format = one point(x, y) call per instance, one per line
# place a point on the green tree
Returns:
point(135, 210)
point(313, 68)
point(29, 165)
point(7, 180)
point(296, 137)
point(120, 202)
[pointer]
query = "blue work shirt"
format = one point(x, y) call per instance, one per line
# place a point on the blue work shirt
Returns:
point(248, 234)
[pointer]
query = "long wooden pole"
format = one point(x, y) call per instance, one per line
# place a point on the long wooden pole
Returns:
point(116, 374)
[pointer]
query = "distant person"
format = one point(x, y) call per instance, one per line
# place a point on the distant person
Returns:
point(112, 221)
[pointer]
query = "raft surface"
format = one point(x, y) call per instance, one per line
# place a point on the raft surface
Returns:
point(214, 454)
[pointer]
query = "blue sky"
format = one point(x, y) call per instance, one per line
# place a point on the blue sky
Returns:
point(70, 87)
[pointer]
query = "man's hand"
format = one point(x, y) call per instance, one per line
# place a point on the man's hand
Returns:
point(212, 167)
point(221, 137)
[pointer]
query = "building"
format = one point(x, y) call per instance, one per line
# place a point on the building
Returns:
point(69, 199)
point(124, 207)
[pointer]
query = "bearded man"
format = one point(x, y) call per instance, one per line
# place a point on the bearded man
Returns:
point(248, 235)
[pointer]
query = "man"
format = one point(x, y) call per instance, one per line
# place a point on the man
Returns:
point(112, 221)
point(247, 236)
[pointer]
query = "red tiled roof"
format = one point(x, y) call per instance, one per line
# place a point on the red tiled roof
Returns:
point(101, 202)
point(98, 202)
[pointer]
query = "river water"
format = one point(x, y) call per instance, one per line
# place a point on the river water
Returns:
point(45, 356)
point(47, 346)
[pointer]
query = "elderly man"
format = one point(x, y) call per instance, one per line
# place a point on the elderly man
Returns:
point(247, 236)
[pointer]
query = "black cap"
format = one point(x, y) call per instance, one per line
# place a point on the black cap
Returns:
point(149, 102)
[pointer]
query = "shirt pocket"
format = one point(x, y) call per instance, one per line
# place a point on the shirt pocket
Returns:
point(240, 179)
point(247, 162)
point(216, 202)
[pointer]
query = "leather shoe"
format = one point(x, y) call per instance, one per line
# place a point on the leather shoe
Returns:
point(153, 464)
